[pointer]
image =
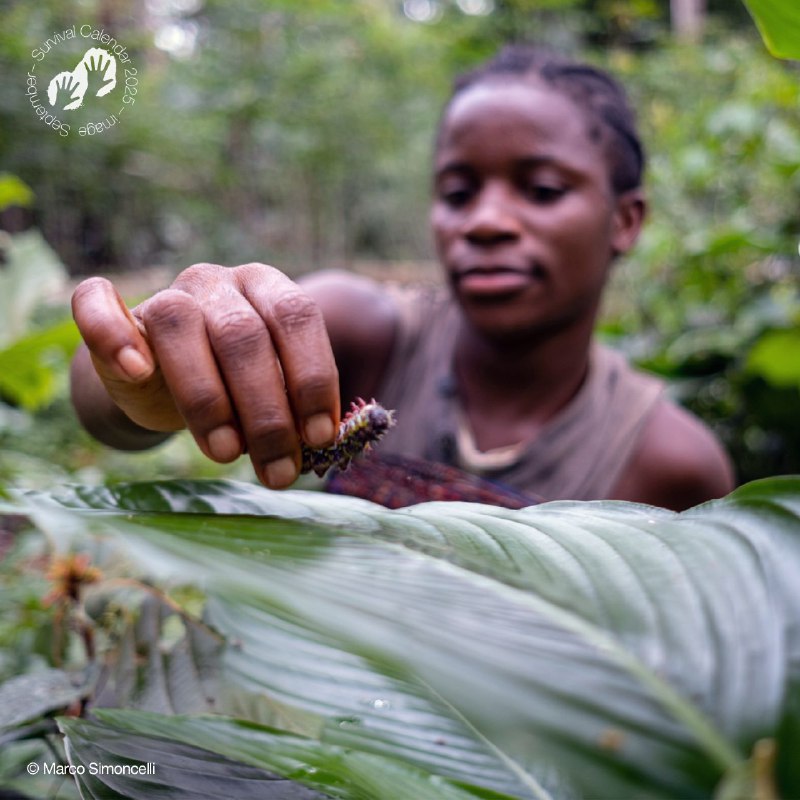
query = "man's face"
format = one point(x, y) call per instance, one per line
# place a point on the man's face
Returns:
point(524, 217)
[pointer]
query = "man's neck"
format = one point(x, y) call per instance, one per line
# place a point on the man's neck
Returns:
point(509, 390)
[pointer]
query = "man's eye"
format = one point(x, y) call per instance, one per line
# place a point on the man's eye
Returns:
point(456, 197)
point(542, 193)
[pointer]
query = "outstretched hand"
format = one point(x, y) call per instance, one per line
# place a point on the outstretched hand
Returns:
point(67, 91)
point(96, 71)
point(239, 355)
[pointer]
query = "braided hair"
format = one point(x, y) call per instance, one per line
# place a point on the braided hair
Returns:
point(592, 89)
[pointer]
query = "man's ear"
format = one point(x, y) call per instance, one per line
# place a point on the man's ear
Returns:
point(629, 215)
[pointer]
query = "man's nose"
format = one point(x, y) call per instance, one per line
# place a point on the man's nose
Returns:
point(492, 219)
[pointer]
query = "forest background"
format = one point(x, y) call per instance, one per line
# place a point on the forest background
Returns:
point(666, 646)
point(300, 134)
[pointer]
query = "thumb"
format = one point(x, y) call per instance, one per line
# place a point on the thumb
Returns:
point(116, 340)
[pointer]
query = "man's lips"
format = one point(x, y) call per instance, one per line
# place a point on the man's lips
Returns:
point(498, 279)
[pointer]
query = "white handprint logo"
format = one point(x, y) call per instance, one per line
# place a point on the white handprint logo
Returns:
point(94, 76)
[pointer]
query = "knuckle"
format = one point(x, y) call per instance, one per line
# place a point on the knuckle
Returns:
point(311, 386)
point(169, 310)
point(253, 270)
point(198, 276)
point(296, 311)
point(273, 435)
point(204, 407)
point(254, 278)
point(236, 332)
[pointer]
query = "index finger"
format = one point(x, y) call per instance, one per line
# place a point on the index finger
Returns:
point(298, 331)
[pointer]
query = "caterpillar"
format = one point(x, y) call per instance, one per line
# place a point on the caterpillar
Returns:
point(364, 424)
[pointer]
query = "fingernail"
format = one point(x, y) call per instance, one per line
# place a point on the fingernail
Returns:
point(224, 444)
point(318, 430)
point(280, 473)
point(135, 365)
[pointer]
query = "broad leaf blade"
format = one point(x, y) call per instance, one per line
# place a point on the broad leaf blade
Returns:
point(31, 366)
point(28, 697)
point(365, 709)
point(218, 497)
point(110, 762)
point(616, 640)
point(779, 24)
point(180, 749)
point(31, 271)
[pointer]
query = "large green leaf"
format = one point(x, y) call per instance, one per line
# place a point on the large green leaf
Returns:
point(14, 192)
point(357, 705)
point(635, 650)
point(779, 24)
point(27, 697)
point(302, 670)
point(123, 762)
point(32, 271)
point(179, 750)
point(774, 357)
point(31, 366)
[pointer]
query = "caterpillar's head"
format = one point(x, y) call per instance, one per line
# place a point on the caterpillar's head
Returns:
point(378, 419)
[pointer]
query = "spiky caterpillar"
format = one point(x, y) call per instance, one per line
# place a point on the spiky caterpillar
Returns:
point(364, 424)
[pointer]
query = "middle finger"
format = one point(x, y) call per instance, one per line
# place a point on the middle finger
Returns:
point(252, 373)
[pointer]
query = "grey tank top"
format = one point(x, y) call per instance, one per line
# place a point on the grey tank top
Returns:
point(579, 454)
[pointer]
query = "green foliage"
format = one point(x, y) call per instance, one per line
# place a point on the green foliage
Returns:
point(25, 624)
point(13, 192)
point(34, 354)
point(30, 271)
point(717, 265)
point(186, 747)
point(774, 357)
point(313, 139)
point(779, 24)
point(444, 650)
point(31, 366)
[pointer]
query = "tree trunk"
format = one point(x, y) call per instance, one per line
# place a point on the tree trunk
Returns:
point(688, 19)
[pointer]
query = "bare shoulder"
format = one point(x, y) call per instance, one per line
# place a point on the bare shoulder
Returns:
point(361, 319)
point(677, 464)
